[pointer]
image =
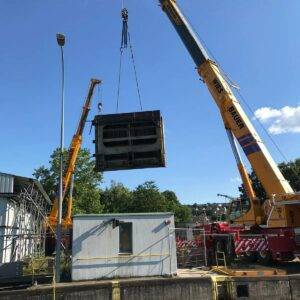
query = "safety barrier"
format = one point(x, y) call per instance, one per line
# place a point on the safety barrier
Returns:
point(190, 247)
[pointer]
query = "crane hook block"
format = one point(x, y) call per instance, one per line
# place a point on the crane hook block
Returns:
point(124, 14)
point(124, 40)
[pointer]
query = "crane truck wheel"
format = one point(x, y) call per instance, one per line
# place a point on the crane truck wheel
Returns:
point(249, 257)
point(264, 257)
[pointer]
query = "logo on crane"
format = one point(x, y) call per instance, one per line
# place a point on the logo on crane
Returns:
point(218, 85)
point(237, 119)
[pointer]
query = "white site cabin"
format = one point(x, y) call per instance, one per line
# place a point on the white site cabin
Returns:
point(123, 245)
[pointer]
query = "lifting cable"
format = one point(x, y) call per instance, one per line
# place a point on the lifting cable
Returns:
point(285, 159)
point(125, 40)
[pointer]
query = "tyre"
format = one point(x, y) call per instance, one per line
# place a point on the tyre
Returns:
point(287, 256)
point(249, 257)
point(264, 257)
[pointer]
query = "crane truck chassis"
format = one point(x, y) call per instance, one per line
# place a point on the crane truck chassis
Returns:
point(251, 244)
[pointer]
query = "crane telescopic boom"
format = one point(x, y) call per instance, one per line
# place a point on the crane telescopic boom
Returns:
point(240, 129)
point(72, 158)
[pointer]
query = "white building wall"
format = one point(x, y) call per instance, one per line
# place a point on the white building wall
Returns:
point(5, 242)
point(14, 221)
point(95, 249)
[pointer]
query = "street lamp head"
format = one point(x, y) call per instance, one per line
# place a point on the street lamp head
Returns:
point(60, 39)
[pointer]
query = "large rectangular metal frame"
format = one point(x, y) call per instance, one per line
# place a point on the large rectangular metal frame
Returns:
point(130, 151)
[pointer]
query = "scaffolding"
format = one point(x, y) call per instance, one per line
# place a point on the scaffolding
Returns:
point(24, 208)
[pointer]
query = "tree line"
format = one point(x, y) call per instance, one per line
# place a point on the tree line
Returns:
point(90, 197)
point(290, 171)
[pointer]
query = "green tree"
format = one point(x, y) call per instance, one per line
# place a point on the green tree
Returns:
point(116, 199)
point(257, 187)
point(290, 171)
point(171, 200)
point(147, 198)
point(86, 192)
point(182, 212)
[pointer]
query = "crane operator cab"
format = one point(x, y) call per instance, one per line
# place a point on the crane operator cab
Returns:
point(237, 208)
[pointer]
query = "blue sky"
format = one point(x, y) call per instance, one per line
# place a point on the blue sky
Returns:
point(256, 42)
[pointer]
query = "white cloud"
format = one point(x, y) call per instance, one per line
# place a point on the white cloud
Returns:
point(266, 113)
point(283, 120)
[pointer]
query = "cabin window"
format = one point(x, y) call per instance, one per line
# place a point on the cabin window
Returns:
point(125, 238)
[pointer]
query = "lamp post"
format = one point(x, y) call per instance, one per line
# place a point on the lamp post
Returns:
point(61, 42)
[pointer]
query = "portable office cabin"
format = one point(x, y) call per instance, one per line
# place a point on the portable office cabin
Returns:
point(123, 245)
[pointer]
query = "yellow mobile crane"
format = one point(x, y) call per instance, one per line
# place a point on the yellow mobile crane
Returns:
point(281, 212)
point(72, 158)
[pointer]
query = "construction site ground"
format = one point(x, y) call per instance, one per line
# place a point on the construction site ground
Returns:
point(258, 282)
point(245, 269)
